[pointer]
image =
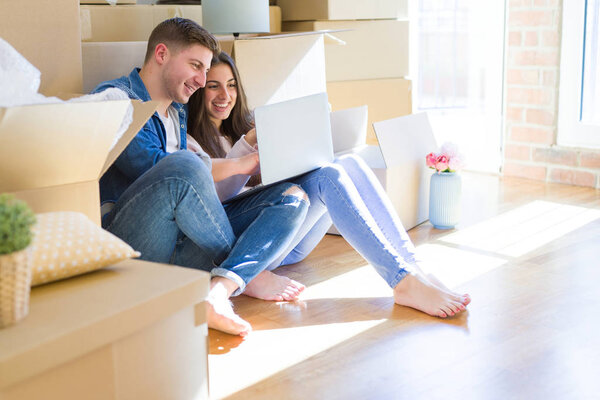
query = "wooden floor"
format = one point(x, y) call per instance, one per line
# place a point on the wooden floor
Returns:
point(527, 252)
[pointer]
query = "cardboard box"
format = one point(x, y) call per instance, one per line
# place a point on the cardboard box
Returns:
point(275, 68)
point(106, 3)
point(47, 34)
point(373, 49)
point(399, 165)
point(124, 57)
point(52, 155)
point(386, 99)
point(404, 142)
point(101, 23)
point(136, 330)
point(305, 10)
point(128, 23)
point(147, 337)
point(275, 19)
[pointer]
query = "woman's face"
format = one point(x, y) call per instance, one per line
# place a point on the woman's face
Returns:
point(220, 92)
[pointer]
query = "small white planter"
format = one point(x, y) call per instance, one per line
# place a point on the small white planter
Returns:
point(444, 199)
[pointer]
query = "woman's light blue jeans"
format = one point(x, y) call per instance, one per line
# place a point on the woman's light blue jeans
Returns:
point(171, 214)
point(348, 193)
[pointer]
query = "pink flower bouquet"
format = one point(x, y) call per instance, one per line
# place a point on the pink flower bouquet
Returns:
point(447, 160)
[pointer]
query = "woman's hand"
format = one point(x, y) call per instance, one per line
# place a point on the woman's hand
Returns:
point(249, 164)
point(251, 137)
point(223, 168)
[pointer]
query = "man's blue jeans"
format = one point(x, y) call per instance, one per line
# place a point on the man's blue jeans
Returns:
point(171, 214)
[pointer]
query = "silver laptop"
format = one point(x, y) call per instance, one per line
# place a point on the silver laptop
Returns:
point(294, 137)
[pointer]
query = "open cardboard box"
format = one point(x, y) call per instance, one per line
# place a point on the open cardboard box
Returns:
point(48, 35)
point(275, 68)
point(386, 98)
point(52, 155)
point(399, 164)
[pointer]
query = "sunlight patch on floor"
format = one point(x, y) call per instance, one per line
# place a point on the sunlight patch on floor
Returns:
point(362, 282)
point(524, 229)
point(265, 353)
point(455, 266)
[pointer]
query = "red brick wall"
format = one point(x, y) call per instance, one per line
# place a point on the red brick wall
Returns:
point(531, 79)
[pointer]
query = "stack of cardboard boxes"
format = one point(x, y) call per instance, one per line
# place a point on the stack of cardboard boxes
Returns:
point(273, 67)
point(367, 64)
point(135, 330)
point(370, 67)
point(127, 21)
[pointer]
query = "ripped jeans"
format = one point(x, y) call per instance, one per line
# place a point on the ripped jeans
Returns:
point(171, 214)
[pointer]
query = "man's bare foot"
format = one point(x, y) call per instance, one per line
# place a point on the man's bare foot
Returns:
point(419, 293)
point(270, 286)
point(220, 313)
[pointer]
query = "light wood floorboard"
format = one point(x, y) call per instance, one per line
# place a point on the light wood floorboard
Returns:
point(527, 252)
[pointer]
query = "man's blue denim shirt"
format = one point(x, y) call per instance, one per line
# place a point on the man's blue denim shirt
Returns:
point(146, 149)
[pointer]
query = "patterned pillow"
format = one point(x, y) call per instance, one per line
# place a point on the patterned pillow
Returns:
point(69, 243)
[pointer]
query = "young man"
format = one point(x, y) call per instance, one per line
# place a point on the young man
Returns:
point(161, 199)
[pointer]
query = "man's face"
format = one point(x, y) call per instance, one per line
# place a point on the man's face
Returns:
point(185, 72)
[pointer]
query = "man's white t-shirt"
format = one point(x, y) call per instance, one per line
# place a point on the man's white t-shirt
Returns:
point(171, 123)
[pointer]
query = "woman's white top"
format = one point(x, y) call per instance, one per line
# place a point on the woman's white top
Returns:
point(235, 184)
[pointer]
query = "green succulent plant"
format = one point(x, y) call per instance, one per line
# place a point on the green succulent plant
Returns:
point(16, 220)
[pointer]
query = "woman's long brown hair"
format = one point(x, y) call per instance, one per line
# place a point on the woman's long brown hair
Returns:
point(239, 122)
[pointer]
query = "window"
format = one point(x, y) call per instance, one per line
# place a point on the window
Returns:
point(457, 49)
point(591, 69)
point(579, 95)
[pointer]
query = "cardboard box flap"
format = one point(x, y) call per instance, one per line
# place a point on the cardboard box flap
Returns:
point(141, 113)
point(296, 67)
point(289, 34)
point(54, 144)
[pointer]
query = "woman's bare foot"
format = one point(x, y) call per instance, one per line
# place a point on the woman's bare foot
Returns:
point(465, 298)
point(270, 286)
point(419, 293)
point(220, 313)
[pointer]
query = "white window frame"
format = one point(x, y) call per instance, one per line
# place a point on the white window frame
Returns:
point(483, 153)
point(571, 131)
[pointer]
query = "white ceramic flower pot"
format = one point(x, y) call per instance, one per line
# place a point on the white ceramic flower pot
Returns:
point(444, 199)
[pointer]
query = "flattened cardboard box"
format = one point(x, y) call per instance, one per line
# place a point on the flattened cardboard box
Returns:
point(52, 155)
point(305, 10)
point(386, 99)
point(385, 41)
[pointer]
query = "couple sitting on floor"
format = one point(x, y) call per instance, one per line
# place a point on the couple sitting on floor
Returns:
point(164, 193)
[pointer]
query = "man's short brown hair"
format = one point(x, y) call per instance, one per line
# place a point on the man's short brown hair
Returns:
point(179, 33)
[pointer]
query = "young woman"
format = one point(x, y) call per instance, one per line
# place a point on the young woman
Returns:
point(345, 192)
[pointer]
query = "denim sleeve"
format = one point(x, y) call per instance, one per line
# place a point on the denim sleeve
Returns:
point(142, 153)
